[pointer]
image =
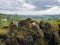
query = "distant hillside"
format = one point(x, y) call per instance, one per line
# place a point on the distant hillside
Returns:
point(49, 17)
point(9, 16)
point(2, 16)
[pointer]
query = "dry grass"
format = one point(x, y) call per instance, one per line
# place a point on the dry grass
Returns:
point(4, 31)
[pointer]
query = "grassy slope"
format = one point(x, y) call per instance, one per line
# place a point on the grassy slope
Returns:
point(3, 23)
point(11, 17)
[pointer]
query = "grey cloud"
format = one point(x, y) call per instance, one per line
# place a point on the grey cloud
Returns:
point(40, 5)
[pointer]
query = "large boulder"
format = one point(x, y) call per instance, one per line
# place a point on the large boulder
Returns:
point(50, 32)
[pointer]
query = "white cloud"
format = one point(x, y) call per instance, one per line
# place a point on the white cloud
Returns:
point(58, 1)
point(51, 11)
point(22, 1)
point(16, 5)
point(7, 12)
point(28, 6)
point(24, 8)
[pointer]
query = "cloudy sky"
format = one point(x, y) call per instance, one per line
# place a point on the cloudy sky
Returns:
point(30, 7)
